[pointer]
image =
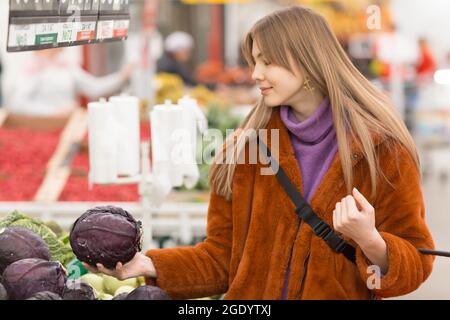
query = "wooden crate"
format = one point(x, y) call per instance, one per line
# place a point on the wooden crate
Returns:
point(58, 167)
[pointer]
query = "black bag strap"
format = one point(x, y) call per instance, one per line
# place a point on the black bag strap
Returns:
point(307, 214)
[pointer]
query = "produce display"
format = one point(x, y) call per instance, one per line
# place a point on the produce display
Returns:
point(41, 261)
point(169, 87)
point(106, 235)
point(24, 154)
point(207, 98)
point(37, 270)
point(216, 72)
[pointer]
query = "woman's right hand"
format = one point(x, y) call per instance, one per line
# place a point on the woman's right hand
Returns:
point(140, 265)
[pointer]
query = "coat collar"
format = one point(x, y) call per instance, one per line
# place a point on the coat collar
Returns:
point(333, 179)
point(286, 148)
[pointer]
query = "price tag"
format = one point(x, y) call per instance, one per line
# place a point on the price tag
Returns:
point(42, 24)
point(121, 28)
point(22, 35)
point(67, 32)
point(85, 31)
point(46, 33)
point(105, 29)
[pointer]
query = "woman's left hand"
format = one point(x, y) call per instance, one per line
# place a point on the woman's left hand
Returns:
point(354, 217)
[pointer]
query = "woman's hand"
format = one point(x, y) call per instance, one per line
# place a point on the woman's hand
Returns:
point(140, 265)
point(354, 217)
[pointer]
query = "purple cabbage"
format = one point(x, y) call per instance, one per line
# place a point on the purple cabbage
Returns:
point(106, 235)
point(17, 243)
point(24, 278)
point(148, 293)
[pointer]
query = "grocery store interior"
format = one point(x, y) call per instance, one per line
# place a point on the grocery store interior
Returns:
point(50, 173)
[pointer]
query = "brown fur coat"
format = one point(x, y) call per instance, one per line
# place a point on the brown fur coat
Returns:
point(250, 238)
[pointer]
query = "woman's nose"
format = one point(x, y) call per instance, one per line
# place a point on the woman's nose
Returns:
point(257, 75)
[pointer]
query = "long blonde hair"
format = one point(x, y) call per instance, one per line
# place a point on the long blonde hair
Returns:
point(358, 107)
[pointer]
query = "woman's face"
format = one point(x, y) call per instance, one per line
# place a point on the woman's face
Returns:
point(278, 85)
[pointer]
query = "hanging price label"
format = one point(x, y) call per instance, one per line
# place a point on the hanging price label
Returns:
point(43, 24)
point(46, 33)
point(21, 35)
point(67, 32)
point(85, 31)
point(121, 28)
point(105, 29)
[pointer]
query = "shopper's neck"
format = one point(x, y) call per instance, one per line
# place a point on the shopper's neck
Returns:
point(307, 104)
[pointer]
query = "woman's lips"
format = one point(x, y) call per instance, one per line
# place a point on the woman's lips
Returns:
point(265, 91)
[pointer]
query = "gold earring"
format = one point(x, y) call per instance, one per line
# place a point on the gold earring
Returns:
point(307, 85)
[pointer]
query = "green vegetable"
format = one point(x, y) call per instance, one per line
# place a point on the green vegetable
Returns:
point(55, 227)
point(65, 238)
point(59, 251)
point(94, 280)
point(111, 284)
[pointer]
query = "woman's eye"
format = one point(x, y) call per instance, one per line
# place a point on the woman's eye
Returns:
point(266, 63)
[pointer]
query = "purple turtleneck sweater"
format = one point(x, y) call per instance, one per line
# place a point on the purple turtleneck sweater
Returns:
point(315, 145)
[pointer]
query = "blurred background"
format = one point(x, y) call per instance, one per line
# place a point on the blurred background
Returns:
point(178, 47)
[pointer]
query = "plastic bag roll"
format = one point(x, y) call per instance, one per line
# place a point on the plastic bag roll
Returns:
point(173, 143)
point(126, 109)
point(102, 143)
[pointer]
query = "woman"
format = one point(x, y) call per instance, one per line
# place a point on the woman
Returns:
point(344, 147)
